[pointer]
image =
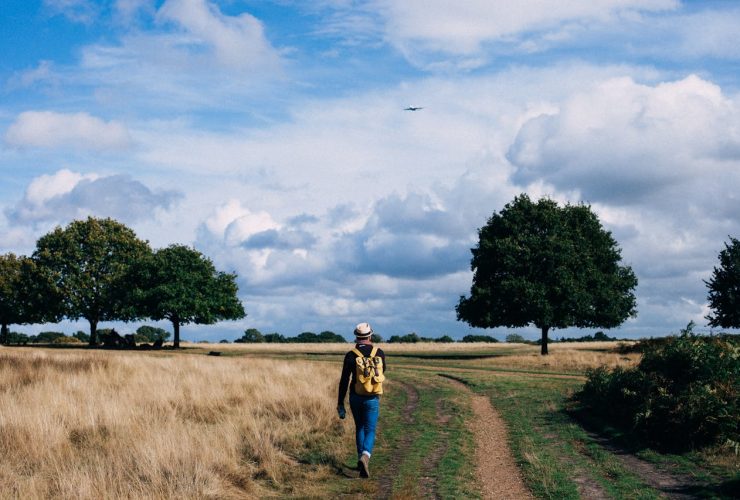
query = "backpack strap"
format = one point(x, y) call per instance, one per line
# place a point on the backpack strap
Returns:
point(357, 351)
point(374, 351)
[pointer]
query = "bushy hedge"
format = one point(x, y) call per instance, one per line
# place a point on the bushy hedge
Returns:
point(684, 394)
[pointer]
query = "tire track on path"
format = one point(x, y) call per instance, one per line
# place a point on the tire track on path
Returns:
point(428, 482)
point(385, 482)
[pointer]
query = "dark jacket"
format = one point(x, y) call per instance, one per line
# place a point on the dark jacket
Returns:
point(347, 379)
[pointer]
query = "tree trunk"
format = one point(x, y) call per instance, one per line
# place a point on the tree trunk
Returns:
point(93, 332)
point(543, 350)
point(176, 329)
point(4, 334)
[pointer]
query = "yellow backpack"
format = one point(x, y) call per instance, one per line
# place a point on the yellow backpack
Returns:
point(369, 373)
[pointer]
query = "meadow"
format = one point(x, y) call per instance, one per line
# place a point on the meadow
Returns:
point(259, 421)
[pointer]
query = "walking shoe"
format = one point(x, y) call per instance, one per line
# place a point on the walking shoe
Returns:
point(364, 465)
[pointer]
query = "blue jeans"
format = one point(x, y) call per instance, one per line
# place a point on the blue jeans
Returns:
point(365, 411)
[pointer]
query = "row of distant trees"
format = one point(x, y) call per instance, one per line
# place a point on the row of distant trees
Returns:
point(254, 336)
point(99, 270)
point(143, 334)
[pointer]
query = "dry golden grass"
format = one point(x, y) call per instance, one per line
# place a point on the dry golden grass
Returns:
point(129, 425)
point(566, 357)
point(563, 357)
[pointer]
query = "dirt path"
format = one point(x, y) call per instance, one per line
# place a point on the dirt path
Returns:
point(496, 470)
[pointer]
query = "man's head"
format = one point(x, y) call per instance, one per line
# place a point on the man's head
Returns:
point(363, 331)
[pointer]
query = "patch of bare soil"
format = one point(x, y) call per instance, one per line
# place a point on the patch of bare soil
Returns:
point(385, 482)
point(496, 470)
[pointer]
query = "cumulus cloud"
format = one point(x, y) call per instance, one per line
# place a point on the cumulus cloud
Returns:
point(48, 129)
point(625, 141)
point(236, 41)
point(413, 236)
point(68, 195)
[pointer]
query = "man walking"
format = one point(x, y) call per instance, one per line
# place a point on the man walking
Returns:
point(363, 373)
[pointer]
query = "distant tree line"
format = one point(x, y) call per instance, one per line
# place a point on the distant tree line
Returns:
point(99, 270)
point(254, 336)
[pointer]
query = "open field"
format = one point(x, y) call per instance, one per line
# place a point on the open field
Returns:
point(259, 421)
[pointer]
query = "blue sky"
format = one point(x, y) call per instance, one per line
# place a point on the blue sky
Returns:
point(271, 136)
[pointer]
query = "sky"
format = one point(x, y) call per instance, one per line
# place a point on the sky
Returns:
point(271, 135)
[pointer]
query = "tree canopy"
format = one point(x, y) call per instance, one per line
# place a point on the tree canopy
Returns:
point(19, 300)
point(87, 262)
point(540, 264)
point(724, 288)
point(179, 284)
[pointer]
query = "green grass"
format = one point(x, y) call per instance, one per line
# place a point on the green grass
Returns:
point(555, 453)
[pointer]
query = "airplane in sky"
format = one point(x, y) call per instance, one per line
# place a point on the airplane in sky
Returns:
point(413, 108)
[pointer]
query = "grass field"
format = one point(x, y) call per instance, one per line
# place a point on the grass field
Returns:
point(259, 421)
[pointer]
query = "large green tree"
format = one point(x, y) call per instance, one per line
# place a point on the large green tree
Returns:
point(22, 294)
point(181, 285)
point(88, 263)
point(724, 288)
point(537, 263)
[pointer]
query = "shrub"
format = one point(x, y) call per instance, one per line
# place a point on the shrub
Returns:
point(684, 393)
point(275, 338)
point(46, 337)
point(479, 338)
point(66, 340)
point(151, 334)
point(411, 338)
point(251, 336)
point(515, 338)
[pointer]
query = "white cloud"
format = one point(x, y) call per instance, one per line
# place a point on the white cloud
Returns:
point(67, 195)
point(80, 11)
point(425, 29)
point(41, 73)
point(236, 41)
point(625, 141)
point(48, 129)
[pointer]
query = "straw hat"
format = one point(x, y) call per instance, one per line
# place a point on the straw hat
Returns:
point(363, 331)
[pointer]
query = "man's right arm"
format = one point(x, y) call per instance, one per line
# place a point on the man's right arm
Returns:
point(344, 381)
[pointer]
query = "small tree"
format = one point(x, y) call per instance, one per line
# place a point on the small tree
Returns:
point(515, 338)
point(724, 288)
point(25, 295)
point(275, 338)
point(550, 266)
point(87, 262)
point(152, 333)
point(251, 336)
point(181, 285)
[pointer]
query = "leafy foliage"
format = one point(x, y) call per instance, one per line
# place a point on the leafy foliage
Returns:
point(724, 288)
point(46, 337)
point(87, 264)
point(685, 392)
point(251, 336)
point(515, 338)
point(550, 266)
point(479, 338)
point(181, 285)
point(21, 294)
point(410, 338)
point(146, 333)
